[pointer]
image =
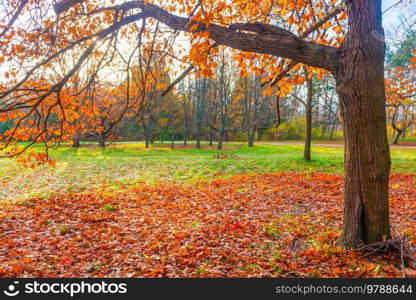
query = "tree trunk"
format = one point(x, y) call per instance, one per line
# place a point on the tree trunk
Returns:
point(198, 136)
point(360, 85)
point(101, 140)
point(172, 145)
point(75, 141)
point(220, 140)
point(308, 139)
point(323, 131)
point(260, 133)
point(185, 134)
point(397, 137)
point(251, 138)
point(146, 135)
point(151, 133)
point(331, 136)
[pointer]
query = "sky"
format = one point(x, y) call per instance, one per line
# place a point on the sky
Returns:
point(391, 17)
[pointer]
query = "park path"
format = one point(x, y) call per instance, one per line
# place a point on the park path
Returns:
point(334, 145)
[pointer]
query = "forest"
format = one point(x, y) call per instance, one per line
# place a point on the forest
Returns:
point(206, 138)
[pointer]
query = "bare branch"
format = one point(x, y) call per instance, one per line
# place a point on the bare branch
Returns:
point(14, 18)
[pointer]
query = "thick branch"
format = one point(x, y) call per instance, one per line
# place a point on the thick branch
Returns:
point(277, 42)
point(267, 39)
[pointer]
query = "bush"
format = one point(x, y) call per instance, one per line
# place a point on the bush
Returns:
point(290, 130)
point(293, 130)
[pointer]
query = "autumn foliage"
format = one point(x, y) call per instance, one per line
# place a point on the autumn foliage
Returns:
point(78, 68)
point(280, 225)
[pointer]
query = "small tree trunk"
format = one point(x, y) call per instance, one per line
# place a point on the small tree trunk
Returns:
point(151, 134)
point(331, 136)
point(251, 138)
point(75, 141)
point(397, 137)
point(185, 134)
point(172, 145)
point(323, 131)
point(360, 86)
point(198, 139)
point(220, 139)
point(308, 139)
point(146, 135)
point(260, 133)
point(101, 140)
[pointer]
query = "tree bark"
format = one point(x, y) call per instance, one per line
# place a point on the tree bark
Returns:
point(331, 136)
point(360, 85)
point(308, 139)
point(75, 141)
point(397, 137)
point(251, 135)
point(101, 140)
point(220, 140)
point(185, 136)
point(146, 135)
point(151, 132)
point(201, 89)
point(211, 138)
point(172, 145)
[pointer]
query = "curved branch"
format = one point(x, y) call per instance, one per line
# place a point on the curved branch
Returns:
point(267, 39)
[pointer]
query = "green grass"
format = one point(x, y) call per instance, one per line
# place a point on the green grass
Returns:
point(409, 139)
point(91, 168)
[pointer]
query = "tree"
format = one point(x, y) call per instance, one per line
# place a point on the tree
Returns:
point(222, 100)
point(308, 112)
point(185, 99)
point(109, 109)
point(328, 102)
point(257, 107)
point(201, 86)
point(357, 62)
point(309, 98)
point(401, 97)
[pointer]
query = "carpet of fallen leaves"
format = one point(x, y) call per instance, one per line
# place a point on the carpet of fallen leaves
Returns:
point(280, 225)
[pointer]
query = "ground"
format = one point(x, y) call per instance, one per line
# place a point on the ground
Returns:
point(90, 168)
point(127, 211)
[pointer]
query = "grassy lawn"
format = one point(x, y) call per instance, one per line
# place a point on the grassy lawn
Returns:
point(91, 168)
